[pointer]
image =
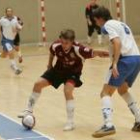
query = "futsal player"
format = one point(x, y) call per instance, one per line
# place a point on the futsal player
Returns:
point(91, 23)
point(9, 27)
point(124, 69)
point(67, 70)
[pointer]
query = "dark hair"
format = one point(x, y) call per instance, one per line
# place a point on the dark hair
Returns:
point(102, 12)
point(67, 34)
point(6, 9)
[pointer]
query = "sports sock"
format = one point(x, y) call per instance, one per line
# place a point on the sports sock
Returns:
point(107, 111)
point(132, 104)
point(32, 100)
point(13, 64)
point(70, 110)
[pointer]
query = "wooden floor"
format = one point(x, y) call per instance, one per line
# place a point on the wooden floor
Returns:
point(50, 109)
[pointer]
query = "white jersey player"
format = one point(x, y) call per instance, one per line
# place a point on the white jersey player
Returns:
point(9, 27)
point(123, 71)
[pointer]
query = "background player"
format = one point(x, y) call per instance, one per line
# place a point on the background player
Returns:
point(91, 23)
point(67, 70)
point(123, 71)
point(9, 27)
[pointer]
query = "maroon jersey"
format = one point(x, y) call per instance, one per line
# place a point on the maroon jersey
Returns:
point(72, 61)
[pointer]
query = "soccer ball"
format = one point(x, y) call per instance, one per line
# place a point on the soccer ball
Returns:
point(28, 121)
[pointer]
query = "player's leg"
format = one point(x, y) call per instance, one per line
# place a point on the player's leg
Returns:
point(68, 91)
point(3, 54)
point(8, 47)
point(108, 127)
point(90, 32)
point(70, 106)
point(17, 47)
point(38, 86)
point(108, 89)
point(13, 62)
point(128, 97)
point(98, 29)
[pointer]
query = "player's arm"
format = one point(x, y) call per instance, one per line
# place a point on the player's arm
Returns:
point(50, 62)
point(51, 57)
point(18, 26)
point(116, 44)
point(100, 53)
point(88, 53)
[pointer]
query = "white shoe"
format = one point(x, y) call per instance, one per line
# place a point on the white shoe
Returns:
point(24, 113)
point(69, 126)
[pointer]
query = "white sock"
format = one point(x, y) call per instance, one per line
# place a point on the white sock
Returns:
point(107, 111)
point(132, 104)
point(89, 39)
point(13, 64)
point(100, 39)
point(19, 53)
point(32, 101)
point(70, 110)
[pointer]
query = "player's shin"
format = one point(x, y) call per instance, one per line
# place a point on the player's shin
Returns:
point(107, 110)
point(32, 101)
point(70, 110)
point(70, 115)
point(132, 104)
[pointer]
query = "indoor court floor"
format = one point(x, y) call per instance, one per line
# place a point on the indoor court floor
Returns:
point(50, 110)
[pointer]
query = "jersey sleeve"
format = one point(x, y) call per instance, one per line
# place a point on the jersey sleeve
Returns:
point(111, 31)
point(85, 52)
point(52, 51)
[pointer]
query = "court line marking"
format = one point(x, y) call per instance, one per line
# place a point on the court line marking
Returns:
point(27, 138)
point(43, 135)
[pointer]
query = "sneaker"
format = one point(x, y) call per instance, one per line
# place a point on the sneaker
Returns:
point(104, 131)
point(136, 127)
point(69, 126)
point(20, 59)
point(18, 71)
point(24, 113)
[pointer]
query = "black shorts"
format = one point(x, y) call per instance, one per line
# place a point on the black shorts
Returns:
point(57, 79)
point(17, 40)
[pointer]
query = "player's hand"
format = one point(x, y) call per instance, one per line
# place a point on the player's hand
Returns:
point(49, 67)
point(115, 71)
point(89, 23)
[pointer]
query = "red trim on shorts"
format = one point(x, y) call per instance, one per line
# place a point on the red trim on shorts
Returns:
point(71, 82)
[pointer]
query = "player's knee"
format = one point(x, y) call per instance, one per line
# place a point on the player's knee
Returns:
point(122, 90)
point(37, 86)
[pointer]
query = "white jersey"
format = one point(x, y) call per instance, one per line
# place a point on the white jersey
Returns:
point(119, 29)
point(9, 27)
